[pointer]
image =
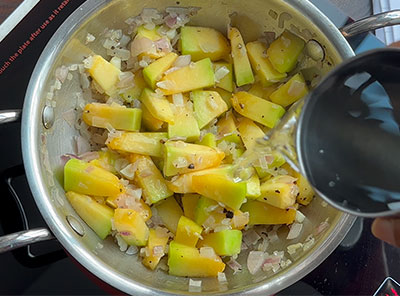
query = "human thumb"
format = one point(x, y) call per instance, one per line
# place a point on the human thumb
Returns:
point(388, 230)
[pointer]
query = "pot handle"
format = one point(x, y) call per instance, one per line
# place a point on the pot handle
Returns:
point(23, 238)
point(385, 19)
point(10, 115)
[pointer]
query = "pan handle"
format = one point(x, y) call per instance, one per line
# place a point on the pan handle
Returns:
point(385, 19)
point(10, 115)
point(23, 238)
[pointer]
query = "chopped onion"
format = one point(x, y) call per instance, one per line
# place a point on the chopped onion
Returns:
point(121, 53)
point(294, 231)
point(161, 231)
point(254, 261)
point(89, 156)
point(207, 252)
point(221, 73)
point(158, 251)
point(272, 236)
point(132, 250)
point(65, 157)
point(250, 237)
point(123, 42)
point(239, 220)
point(116, 61)
point(129, 171)
point(123, 246)
point(308, 243)
point(178, 99)
point(84, 81)
point(81, 145)
point(222, 228)
point(70, 117)
point(234, 265)
point(61, 73)
point(300, 217)
point(170, 70)
point(140, 45)
point(126, 80)
point(88, 62)
point(222, 277)
point(174, 40)
point(315, 50)
point(166, 84)
point(136, 103)
point(182, 61)
point(180, 162)
point(296, 88)
point(163, 45)
point(110, 44)
point(194, 286)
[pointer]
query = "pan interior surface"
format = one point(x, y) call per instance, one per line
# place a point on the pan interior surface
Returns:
point(43, 147)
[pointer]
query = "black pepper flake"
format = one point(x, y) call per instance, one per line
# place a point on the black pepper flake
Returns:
point(298, 193)
point(225, 210)
point(265, 198)
point(162, 141)
point(277, 191)
point(241, 106)
point(191, 166)
point(120, 190)
point(294, 182)
point(112, 47)
point(287, 210)
point(177, 2)
point(262, 116)
point(229, 214)
point(275, 169)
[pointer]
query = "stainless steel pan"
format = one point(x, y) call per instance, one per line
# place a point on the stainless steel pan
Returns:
point(46, 136)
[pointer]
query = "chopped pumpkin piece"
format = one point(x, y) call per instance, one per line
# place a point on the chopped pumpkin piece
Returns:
point(267, 74)
point(105, 74)
point(181, 157)
point(156, 246)
point(284, 51)
point(225, 243)
point(221, 189)
point(112, 116)
point(226, 82)
point(85, 178)
point(153, 72)
point(262, 213)
point(280, 191)
point(170, 212)
point(187, 261)
point(149, 178)
point(241, 64)
point(189, 202)
point(207, 106)
point(158, 105)
point(203, 43)
point(141, 143)
point(131, 226)
point(96, 215)
point(257, 109)
point(187, 232)
point(197, 75)
point(185, 124)
point(290, 92)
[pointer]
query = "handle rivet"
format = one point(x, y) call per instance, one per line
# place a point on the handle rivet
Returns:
point(75, 225)
point(48, 117)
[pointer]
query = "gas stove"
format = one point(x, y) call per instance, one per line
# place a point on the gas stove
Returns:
point(361, 265)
